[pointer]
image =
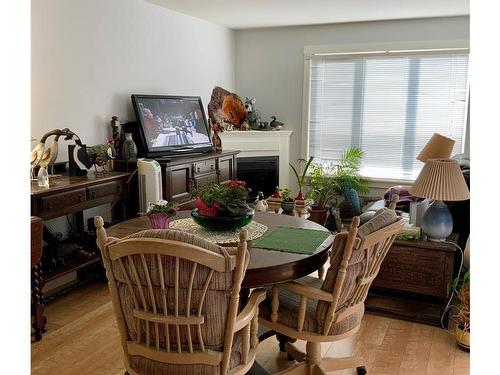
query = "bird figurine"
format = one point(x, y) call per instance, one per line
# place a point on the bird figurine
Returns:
point(38, 152)
point(50, 154)
point(276, 125)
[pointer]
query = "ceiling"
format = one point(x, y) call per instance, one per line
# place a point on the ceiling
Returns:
point(239, 14)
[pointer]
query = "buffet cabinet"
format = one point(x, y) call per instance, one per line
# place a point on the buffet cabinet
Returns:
point(182, 175)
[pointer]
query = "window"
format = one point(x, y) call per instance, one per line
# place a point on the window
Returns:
point(387, 104)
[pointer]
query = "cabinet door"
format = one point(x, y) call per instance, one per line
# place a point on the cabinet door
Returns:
point(177, 184)
point(227, 169)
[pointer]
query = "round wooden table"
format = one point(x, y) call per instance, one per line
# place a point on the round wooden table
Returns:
point(266, 267)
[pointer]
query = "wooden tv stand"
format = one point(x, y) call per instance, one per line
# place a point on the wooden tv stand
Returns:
point(181, 174)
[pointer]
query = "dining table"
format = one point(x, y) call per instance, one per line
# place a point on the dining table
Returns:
point(266, 267)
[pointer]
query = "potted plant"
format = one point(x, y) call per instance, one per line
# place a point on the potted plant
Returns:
point(99, 156)
point(461, 285)
point(330, 181)
point(301, 175)
point(159, 213)
point(287, 202)
point(222, 206)
point(227, 199)
point(324, 191)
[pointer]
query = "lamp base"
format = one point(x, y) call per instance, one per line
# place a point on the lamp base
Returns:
point(437, 222)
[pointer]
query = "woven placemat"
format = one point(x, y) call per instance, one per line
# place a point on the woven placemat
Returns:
point(255, 230)
point(292, 240)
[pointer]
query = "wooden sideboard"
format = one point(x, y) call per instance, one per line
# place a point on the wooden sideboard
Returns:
point(71, 195)
point(181, 175)
point(413, 280)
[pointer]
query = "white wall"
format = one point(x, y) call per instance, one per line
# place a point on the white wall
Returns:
point(269, 62)
point(89, 56)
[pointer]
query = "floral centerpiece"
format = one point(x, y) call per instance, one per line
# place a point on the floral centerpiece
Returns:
point(227, 199)
point(160, 213)
point(222, 206)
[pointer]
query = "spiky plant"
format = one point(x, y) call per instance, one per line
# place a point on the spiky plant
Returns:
point(329, 181)
point(302, 175)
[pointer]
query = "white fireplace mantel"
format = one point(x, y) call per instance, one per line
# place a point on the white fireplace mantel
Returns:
point(262, 143)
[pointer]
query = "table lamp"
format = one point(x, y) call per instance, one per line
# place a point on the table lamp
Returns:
point(441, 180)
point(438, 147)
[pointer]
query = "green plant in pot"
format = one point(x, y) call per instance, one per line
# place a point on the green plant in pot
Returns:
point(287, 201)
point(301, 174)
point(461, 285)
point(99, 156)
point(330, 181)
point(222, 206)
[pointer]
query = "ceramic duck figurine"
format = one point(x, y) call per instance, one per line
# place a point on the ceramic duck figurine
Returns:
point(275, 124)
point(260, 203)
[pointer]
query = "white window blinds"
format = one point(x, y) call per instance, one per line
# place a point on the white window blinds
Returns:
point(389, 106)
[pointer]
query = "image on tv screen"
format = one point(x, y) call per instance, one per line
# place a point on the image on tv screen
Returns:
point(172, 122)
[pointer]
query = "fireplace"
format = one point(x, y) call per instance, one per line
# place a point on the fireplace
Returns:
point(261, 173)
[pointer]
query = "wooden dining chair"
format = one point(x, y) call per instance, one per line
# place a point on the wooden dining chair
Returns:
point(318, 311)
point(176, 298)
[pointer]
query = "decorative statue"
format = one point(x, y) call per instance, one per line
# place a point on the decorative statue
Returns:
point(253, 115)
point(275, 124)
point(226, 109)
point(216, 141)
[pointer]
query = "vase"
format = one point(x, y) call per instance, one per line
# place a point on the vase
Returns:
point(159, 221)
point(43, 177)
point(129, 148)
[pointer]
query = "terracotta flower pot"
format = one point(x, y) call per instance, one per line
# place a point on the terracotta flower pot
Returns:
point(318, 215)
point(204, 210)
point(159, 220)
point(463, 338)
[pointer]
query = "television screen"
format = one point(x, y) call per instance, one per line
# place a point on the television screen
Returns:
point(171, 123)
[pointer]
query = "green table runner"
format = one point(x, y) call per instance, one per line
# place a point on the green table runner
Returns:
point(292, 240)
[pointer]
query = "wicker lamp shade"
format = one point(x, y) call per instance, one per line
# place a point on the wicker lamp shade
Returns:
point(438, 147)
point(441, 179)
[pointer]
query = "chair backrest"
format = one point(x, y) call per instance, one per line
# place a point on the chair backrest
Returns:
point(354, 263)
point(175, 295)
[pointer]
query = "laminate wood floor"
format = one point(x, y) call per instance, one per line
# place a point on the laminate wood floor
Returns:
point(82, 339)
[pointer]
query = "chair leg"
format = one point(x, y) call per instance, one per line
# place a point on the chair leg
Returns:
point(334, 364)
point(321, 272)
point(294, 353)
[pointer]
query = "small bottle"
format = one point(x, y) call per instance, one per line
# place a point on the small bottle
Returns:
point(43, 177)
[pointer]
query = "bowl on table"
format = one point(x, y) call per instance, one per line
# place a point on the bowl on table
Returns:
point(222, 223)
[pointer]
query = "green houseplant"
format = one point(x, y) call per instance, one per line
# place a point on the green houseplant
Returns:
point(287, 202)
point(222, 206)
point(329, 182)
point(301, 174)
point(99, 156)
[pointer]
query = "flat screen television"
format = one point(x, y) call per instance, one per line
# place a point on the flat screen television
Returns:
point(172, 125)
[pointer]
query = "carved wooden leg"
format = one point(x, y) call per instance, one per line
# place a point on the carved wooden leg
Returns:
point(37, 301)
